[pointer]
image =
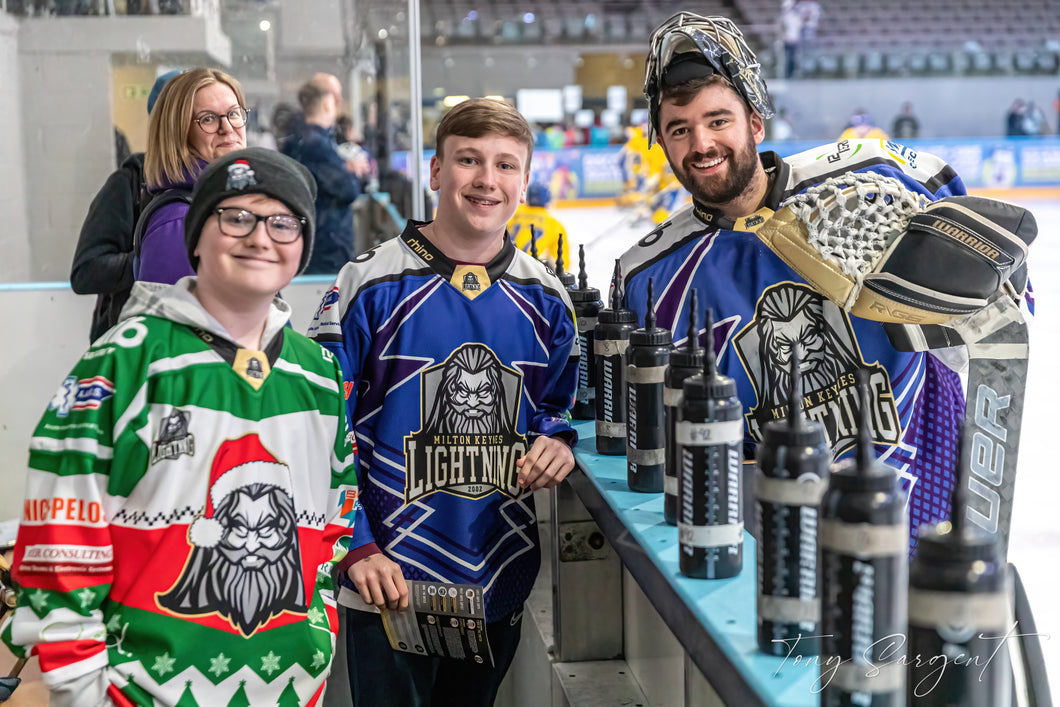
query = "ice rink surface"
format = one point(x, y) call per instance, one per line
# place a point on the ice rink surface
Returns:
point(1034, 546)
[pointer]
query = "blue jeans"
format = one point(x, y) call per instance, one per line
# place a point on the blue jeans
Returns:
point(383, 677)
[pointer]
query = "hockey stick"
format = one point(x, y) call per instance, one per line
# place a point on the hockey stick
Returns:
point(996, 340)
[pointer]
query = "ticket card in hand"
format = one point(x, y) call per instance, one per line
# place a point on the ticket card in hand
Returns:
point(446, 620)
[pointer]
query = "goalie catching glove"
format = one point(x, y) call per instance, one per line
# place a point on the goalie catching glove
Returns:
point(883, 252)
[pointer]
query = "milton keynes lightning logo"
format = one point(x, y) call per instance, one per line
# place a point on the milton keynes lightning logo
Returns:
point(790, 316)
point(467, 443)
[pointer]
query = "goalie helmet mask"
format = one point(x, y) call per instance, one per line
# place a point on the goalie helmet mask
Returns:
point(689, 46)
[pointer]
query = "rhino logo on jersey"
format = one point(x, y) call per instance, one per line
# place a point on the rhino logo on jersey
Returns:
point(790, 317)
point(468, 443)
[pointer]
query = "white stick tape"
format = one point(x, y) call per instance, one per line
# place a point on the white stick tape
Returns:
point(710, 535)
point(610, 347)
point(701, 434)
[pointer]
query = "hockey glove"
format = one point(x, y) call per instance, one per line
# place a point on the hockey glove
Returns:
point(883, 252)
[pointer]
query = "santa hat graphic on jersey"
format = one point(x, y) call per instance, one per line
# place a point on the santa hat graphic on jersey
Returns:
point(238, 463)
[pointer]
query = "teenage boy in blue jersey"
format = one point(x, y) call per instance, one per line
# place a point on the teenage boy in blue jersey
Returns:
point(460, 358)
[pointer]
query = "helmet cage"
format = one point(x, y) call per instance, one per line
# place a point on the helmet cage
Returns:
point(721, 44)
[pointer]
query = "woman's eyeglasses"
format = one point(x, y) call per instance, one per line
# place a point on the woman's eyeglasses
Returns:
point(210, 122)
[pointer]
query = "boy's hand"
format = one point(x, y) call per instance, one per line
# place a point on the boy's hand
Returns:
point(548, 462)
point(380, 582)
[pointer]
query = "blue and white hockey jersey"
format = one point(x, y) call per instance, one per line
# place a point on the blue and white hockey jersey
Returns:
point(763, 310)
point(451, 372)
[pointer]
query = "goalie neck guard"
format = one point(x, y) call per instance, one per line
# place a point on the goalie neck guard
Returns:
point(689, 46)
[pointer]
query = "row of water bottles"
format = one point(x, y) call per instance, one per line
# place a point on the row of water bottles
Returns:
point(835, 585)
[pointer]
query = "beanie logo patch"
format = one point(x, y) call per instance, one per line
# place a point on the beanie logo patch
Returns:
point(240, 176)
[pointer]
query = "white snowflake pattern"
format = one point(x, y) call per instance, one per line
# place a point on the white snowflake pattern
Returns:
point(315, 615)
point(114, 624)
point(38, 599)
point(319, 659)
point(219, 664)
point(270, 663)
point(86, 596)
point(163, 664)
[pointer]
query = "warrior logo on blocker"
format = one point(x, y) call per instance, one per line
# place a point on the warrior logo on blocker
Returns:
point(790, 316)
point(467, 444)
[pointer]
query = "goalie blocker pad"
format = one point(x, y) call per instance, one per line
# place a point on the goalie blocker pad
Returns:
point(953, 256)
point(911, 264)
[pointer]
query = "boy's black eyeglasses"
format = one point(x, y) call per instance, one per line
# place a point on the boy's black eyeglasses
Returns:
point(210, 122)
point(240, 223)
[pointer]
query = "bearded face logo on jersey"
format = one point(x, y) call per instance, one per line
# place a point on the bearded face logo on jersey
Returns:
point(245, 563)
point(468, 444)
point(470, 399)
point(790, 317)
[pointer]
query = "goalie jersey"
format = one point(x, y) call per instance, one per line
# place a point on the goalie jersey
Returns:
point(763, 310)
point(451, 371)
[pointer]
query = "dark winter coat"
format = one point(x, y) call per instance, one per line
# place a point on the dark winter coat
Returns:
point(103, 258)
point(337, 188)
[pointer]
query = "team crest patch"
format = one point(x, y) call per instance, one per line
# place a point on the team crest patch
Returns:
point(253, 366)
point(76, 394)
point(471, 280)
point(790, 316)
point(173, 437)
point(244, 563)
point(240, 176)
point(467, 443)
point(330, 299)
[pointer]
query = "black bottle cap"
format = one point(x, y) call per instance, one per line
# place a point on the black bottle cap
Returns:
point(567, 278)
point(583, 293)
point(796, 431)
point(941, 543)
point(617, 314)
point(533, 242)
point(651, 335)
point(709, 385)
point(691, 354)
point(863, 472)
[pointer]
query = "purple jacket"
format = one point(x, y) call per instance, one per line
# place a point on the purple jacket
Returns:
point(163, 255)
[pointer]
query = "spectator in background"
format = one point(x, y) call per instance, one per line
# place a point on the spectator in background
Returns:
point(1034, 122)
point(103, 259)
point(1014, 118)
point(200, 116)
point(905, 123)
point(791, 30)
point(810, 13)
point(782, 130)
point(338, 180)
point(862, 126)
point(121, 147)
point(282, 123)
point(351, 143)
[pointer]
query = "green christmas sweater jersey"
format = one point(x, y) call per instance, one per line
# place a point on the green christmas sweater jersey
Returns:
point(186, 500)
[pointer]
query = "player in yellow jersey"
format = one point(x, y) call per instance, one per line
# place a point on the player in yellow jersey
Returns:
point(534, 212)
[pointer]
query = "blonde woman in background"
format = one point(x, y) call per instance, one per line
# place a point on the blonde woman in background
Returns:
point(200, 116)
